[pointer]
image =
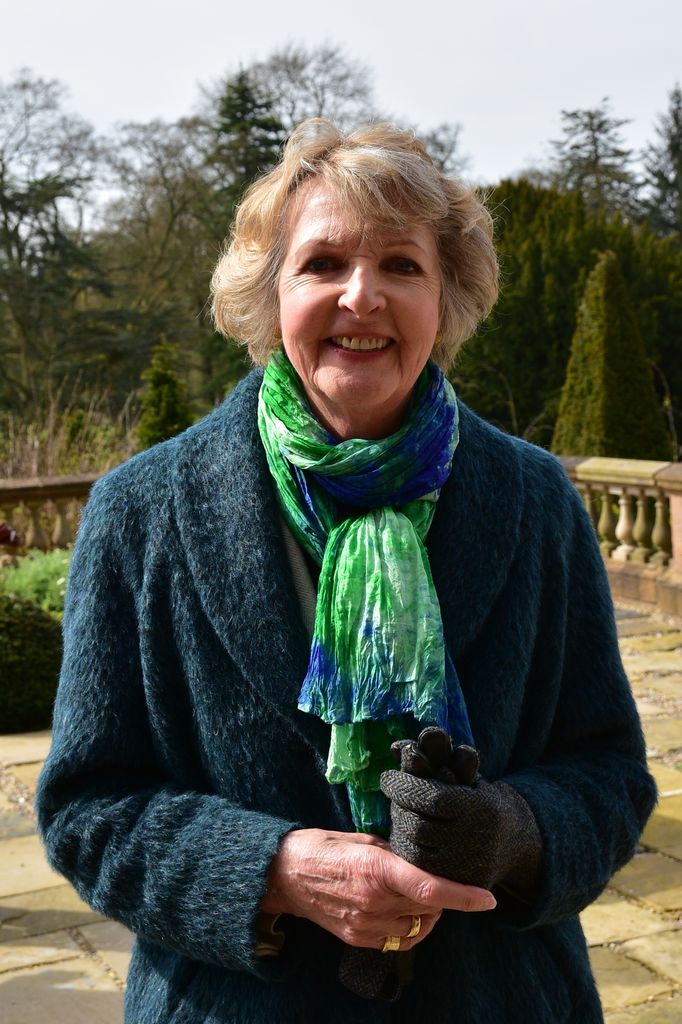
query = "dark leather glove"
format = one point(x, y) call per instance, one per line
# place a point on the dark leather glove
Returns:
point(448, 820)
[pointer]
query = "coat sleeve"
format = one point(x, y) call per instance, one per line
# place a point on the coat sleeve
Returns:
point(589, 788)
point(182, 868)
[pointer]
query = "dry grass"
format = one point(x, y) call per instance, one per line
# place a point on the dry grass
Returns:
point(67, 438)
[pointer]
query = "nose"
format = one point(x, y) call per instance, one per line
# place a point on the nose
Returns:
point(362, 293)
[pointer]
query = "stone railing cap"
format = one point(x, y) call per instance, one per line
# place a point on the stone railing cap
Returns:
point(670, 478)
point(570, 463)
point(40, 488)
point(633, 472)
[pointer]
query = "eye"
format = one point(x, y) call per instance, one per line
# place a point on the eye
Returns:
point(403, 265)
point(319, 265)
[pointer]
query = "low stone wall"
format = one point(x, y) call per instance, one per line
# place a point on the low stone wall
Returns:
point(636, 509)
point(635, 506)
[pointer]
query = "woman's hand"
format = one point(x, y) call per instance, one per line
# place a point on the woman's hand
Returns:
point(353, 886)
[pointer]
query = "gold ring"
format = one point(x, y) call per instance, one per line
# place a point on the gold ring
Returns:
point(391, 944)
point(416, 927)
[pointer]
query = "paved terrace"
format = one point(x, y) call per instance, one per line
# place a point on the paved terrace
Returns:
point(60, 962)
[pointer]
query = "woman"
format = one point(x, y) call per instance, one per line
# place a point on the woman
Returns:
point(261, 606)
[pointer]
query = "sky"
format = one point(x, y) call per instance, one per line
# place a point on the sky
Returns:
point(502, 70)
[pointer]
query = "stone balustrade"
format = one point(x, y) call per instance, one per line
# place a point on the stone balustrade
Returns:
point(636, 509)
point(45, 510)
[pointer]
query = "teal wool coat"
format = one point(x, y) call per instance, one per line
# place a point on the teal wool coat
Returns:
point(179, 758)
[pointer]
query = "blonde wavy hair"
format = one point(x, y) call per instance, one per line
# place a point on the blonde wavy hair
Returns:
point(387, 181)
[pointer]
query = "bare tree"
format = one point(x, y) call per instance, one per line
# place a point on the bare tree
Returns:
point(320, 82)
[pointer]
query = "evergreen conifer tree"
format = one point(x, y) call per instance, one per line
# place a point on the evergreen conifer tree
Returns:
point(608, 405)
point(663, 166)
point(248, 138)
point(592, 158)
point(165, 411)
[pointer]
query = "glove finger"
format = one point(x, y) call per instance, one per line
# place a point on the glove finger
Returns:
point(430, 797)
point(434, 853)
point(451, 849)
point(411, 758)
point(465, 763)
point(436, 746)
point(428, 833)
point(397, 747)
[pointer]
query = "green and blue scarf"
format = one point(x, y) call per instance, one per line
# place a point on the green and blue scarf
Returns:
point(379, 669)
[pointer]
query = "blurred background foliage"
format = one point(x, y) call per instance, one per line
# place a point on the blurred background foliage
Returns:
point(107, 247)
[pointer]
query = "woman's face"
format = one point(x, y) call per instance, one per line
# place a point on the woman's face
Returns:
point(358, 316)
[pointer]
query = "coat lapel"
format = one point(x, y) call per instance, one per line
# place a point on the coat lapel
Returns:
point(229, 520)
point(475, 531)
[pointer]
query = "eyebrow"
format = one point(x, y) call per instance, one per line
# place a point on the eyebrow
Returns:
point(393, 242)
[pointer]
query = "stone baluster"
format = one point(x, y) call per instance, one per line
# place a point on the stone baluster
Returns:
point(642, 529)
point(590, 505)
point(61, 533)
point(606, 527)
point(35, 534)
point(624, 528)
point(661, 534)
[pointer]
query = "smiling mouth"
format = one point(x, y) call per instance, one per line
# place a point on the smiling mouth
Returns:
point(360, 344)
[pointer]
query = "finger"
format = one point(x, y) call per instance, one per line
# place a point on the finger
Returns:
point(432, 891)
point(426, 922)
point(372, 933)
point(365, 839)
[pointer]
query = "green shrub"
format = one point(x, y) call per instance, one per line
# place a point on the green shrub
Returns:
point(30, 656)
point(39, 577)
point(165, 411)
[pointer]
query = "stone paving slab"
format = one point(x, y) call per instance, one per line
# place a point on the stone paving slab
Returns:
point(41, 949)
point(27, 773)
point(648, 707)
point(664, 687)
point(663, 831)
point(662, 952)
point(33, 913)
point(668, 780)
point(641, 626)
point(662, 1011)
point(29, 746)
point(653, 661)
point(612, 918)
point(14, 821)
point(663, 734)
point(643, 644)
point(113, 942)
point(24, 866)
point(623, 982)
point(652, 878)
point(70, 992)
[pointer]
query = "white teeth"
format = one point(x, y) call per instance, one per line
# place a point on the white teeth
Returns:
point(364, 344)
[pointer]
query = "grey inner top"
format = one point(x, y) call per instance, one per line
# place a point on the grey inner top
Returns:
point(305, 588)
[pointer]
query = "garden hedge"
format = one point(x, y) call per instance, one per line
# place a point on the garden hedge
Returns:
point(30, 656)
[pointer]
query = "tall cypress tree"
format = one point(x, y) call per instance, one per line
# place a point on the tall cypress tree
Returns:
point(608, 405)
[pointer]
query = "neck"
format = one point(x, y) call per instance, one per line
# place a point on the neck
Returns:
point(370, 424)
